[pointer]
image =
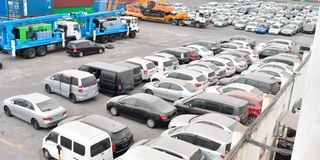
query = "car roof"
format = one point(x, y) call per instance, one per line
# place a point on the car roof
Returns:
point(260, 77)
point(138, 60)
point(156, 58)
point(144, 152)
point(235, 102)
point(102, 123)
point(218, 118)
point(76, 73)
point(188, 71)
point(174, 49)
point(218, 59)
point(164, 54)
point(81, 132)
point(245, 94)
point(145, 97)
point(210, 132)
point(35, 97)
point(107, 66)
point(126, 64)
point(175, 145)
point(175, 81)
point(239, 85)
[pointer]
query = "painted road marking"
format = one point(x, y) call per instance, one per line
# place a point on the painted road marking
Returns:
point(15, 146)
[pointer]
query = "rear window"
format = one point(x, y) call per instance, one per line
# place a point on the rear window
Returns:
point(48, 105)
point(228, 147)
point(275, 88)
point(201, 78)
point(89, 81)
point(100, 147)
point(120, 135)
point(191, 88)
point(230, 64)
point(151, 65)
point(168, 64)
point(211, 74)
point(207, 143)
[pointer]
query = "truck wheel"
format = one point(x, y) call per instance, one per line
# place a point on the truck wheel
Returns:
point(181, 23)
point(132, 34)
point(30, 53)
point(174, 22)
point(198, 25)
point(41, 51)
point(112, 38)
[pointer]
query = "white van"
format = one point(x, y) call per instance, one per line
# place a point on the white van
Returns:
point(163, 64)
point(147, 67)
point(79, 141)
point(146, 153)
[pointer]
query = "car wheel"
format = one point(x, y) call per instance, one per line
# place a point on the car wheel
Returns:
point(132, 34)
point(155, 80)
point(151, 123)
point(46, 154)
point(81, 54)
point(148, 91)
point(48, 89)
point(100, 51)
point(73, 98)
point(114, 111)
point(251, 119)
point(7, 111)
point(35, 124)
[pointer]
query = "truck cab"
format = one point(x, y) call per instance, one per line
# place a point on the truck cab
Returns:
point(132, 22)
point(71, 29)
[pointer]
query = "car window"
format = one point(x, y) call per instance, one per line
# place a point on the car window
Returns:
point(217, 63)
point(57, 77)
point(190, 87)
point(20, 102)
point(130, 101)
point(78, 148)
point(197, 103)
point(142, 105)
point(252, 82)
point(156, 63)
point(176, 87)
point(212, 106)
point(89, 81)
point(173, 75)
point(150, 65)
point(201, 78)
point(206, 143)
point(184, 77)
point(53, 137)
point(164, 85)
point(100, 147)
point(185, 137)
point(227, 109)
point(74, 81)
point(65, 142)
point(240, 80)
point(65, 79)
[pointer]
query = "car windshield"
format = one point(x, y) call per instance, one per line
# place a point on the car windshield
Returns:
point(48, 105)
point(237, 60)
point(99, 147)
point(191, 88)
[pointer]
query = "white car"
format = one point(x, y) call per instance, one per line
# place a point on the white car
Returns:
point(148, 68)
point(280, 42)
point(194, 77)
point(278, 65)
point(234, 86)
point(168, 56)
point(239, 64)
point(275, 28)
point(162, 64)
point(251, 27)
point(208, 72)
point(254, 56)
point(206, 66)
point(222, 63)
point(243, 44)
point(202, 51)
point(279, 74)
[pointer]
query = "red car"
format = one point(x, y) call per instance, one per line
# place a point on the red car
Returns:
point(254, 105)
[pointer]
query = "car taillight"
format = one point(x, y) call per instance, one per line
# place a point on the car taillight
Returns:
point(164, 68)
point(238, 118)
point(209, 79)
point(222, 155)
point(119, 86)
point(80, 89)
point(74, 49)
point(47, 118)
point(197, 84)
point(218, 74)
point(255, 56)
point(64, 113)
point(114, 146)
point(163, 117)
point(145, 72)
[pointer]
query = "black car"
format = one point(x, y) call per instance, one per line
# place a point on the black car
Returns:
point(143, 107)
point(111, 78)
point(84, 47)
point(213, 46)
point(137, 75)
point(183, 54)
point(207, 103)
point(121, 135)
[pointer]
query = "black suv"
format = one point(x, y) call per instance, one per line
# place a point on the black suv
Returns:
point(84, 47)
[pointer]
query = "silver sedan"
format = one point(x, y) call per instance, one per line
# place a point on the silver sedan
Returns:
point(171, 90)
point(39, 110)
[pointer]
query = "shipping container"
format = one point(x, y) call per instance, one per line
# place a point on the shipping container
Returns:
point(72, 3)
point(3, 8)
point(102, 6)
point(88, 10)
point(26, 8)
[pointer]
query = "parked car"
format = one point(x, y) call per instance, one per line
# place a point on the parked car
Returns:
point(144, 107)
point(162, 64)
point(73, 84)
point(210, 102)
point(279, 42)
point(191, 76)
point(83, 47)
point(254, 102)
point(289, 30)
point(234, 86)
point(121, 136)
point(173, 146)
point(239, 64)
point(206, 67)
point(263, 28)
point(213, 141)
point(137, 75)
point(174, 60)
point(294, 62)
point(140, 152)
point(35, 108)
point(202, 51)
point(230, 46)
point(243, 44)
point(225, 64)
point(299, 24)
point(309, 28)
point(77, 141)
point(278, 65)
point(275, 28)
point(221, 22)
point(279, 74)
point(147, 68)
point(241, 55)
point(271, 51)
point(213, 46)
point(251, 26)
point(241, 25)
point(171, 89)
point(184, 56)
point(214, 119)
point(209, 73)
point(111, 78)
point(254, 56)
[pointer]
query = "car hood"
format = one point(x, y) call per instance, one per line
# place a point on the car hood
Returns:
point(181, 120)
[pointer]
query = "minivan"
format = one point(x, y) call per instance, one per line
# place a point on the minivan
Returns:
point(209, 102)
point(111, 78)
point(74, 84)
point(137, 76)
point(77, 140)
point(147, 68)
point(163, 64)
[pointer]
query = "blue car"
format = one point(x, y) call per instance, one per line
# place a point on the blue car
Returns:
point(263, 28)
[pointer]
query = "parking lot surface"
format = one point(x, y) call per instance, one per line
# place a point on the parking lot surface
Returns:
point(18, 139)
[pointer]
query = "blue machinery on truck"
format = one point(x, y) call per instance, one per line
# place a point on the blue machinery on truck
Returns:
point(56, 39)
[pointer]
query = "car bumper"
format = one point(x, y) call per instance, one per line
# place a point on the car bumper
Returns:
point(86, 96)
point(48, 124)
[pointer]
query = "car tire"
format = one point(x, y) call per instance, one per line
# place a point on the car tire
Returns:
point(114, 111)
point(41, 51)
point(155, 80)
point(7, 111)
point(81, 54)
point(35, 124)
point(100, 51)
point(48, 89)
point(151, 123)
point(181, 23)
point(73, 98)
point(197, 25)
point(251, 119)
point(132, 34)
point(46, 154)
point(148, 91)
